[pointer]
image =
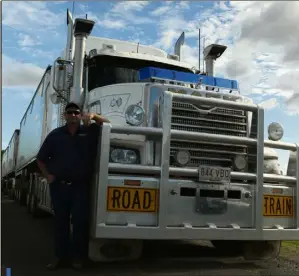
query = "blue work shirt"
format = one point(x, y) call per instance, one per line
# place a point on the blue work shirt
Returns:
point(70, 157)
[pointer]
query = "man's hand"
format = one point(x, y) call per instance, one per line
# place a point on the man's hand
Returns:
point(50, 178)
point(87, 117)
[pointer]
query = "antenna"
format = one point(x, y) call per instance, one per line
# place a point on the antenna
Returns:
point(199, 49)
point(203, 60)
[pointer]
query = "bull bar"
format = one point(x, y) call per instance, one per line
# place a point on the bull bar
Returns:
point(131, 231)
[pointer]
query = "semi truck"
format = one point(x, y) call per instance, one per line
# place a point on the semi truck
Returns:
point(184, 157)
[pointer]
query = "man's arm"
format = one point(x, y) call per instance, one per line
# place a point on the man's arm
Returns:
point(43, 156)
point(99, 119)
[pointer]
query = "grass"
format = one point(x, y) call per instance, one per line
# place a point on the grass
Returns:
point(291, 244)
point(290, 250)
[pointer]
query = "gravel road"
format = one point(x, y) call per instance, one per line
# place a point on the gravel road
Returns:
point(27, 247)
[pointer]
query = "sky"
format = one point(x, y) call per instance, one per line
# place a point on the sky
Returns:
point(262, 39)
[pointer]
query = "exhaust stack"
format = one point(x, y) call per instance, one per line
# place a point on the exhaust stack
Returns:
point(69, 51)
point(211, 53)
point(82, 29)
point(178, 45)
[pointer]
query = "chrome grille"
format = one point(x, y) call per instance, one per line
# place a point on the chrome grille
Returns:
point(222, 121)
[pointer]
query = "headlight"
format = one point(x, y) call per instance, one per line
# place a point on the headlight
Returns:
point(275, 131)
point(182, 157)
point(124, 156)
point(240, 162)
point(271, 166)
point(134, 115)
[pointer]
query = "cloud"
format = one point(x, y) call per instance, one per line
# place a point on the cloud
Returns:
point(113, 24)
point(30, 17)
point(262, 44)
point(17, 74)
point(126, 6)
point(127, 12)
point(292, 104)
point(160, 10)
point(27, 41)
point(269, 104)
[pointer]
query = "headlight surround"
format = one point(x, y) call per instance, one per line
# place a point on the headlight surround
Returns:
point(124, 156)
point(135, 115)
point(275, 131)
point(240, 162)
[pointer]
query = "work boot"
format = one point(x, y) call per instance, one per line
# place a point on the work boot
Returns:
point(78, 264)
point(56, 264)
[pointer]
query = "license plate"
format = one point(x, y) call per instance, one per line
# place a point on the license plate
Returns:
point(214, 174)
point(123, 199)
point(278, 206)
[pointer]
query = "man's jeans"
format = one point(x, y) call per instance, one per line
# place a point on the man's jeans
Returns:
point(70, 199)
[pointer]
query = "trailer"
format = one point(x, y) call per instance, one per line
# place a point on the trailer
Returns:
point(4, 172)
point(184, 157)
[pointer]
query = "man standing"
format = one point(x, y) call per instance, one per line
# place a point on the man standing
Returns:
point(66, 159)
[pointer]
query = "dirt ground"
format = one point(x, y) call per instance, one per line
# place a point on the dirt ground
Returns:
point(26, 248)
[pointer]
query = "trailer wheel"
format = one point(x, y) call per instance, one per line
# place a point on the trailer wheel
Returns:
point(10, 194)
point(17, 197)
point(28, 202)
point(34, 210)
point(23, 197)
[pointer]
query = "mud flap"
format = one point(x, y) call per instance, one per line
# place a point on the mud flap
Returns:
point(261, 250)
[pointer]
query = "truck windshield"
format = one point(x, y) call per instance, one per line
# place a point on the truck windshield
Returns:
point(107, 70)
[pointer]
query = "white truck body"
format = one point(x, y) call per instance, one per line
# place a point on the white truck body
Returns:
point(157, 197)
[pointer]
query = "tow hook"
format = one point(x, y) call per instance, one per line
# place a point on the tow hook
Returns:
point(173, 192)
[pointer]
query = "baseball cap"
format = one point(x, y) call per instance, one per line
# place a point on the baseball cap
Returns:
point(72, 104)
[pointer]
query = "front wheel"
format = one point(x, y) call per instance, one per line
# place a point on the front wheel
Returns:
point(261, 250)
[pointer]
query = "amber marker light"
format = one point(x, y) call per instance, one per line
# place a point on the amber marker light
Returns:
point(130, 182)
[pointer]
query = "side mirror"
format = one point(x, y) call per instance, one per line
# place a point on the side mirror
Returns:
point(55, 99)
point(61, 69)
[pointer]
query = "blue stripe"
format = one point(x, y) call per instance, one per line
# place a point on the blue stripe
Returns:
point(8, 271)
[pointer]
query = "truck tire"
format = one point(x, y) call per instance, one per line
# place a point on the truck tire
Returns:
point(28, 203)
point(17, 197)
point(261, 250)
point(23, 197)
point(10, 194)
point(34, 210)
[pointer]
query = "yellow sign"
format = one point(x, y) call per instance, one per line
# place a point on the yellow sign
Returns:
point(278, 206)
point(132, 200)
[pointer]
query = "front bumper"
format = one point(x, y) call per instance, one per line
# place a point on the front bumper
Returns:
point(190, 214)
point(193, 217)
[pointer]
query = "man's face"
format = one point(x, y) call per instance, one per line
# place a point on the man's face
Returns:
point(72, 115)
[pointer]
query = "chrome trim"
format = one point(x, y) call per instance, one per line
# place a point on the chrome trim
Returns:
point(102, 173)
point(166, 103)
point(259, 172)
point(188, 172)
